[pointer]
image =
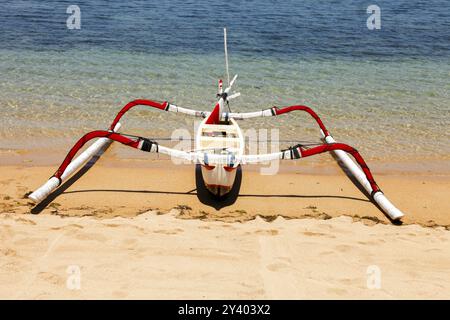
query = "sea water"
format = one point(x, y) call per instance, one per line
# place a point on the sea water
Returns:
point(385, 91)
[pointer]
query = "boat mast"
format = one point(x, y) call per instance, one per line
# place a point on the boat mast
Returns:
point(226, 55)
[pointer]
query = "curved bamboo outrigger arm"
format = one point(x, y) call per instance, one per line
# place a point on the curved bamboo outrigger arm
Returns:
point(166, 106)
point(362, 172)
point(70, 164)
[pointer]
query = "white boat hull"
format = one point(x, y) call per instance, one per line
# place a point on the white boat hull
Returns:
point(225, 139)
point(219, 181)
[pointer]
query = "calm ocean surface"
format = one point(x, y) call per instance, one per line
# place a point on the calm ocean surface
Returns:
point(385, 91)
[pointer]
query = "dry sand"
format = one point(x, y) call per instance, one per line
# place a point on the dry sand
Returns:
point(144, 233)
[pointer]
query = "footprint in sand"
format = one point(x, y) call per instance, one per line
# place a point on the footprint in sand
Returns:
point(229, 226)
point(7, 208)
point(129, 244)
point(271, 232)
point(26, 221)
point(281, 263)
point(75, 226)
point(318, 234)
point(70, 227)
point(52, 278)
point(169, 231)
point(371, 242)
point(112, 225)
point(102, 211)
point(8, 252)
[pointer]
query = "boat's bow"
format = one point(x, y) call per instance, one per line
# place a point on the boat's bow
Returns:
point(223, 139)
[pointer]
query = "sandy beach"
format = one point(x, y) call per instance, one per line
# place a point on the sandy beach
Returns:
point(143, 232)
point(133, 225)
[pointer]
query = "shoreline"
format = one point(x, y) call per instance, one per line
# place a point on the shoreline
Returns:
point(125, 190)
point(321, 165)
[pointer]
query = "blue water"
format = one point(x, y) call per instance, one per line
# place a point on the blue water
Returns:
point(414, 28)
point(385, 91)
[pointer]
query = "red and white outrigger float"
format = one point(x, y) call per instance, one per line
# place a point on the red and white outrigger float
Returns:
point(219, 147)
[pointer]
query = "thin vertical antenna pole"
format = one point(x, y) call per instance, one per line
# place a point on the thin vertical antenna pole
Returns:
point(226, 54)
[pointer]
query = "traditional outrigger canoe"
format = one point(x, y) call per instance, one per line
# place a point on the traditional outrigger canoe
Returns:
point(219, 147)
